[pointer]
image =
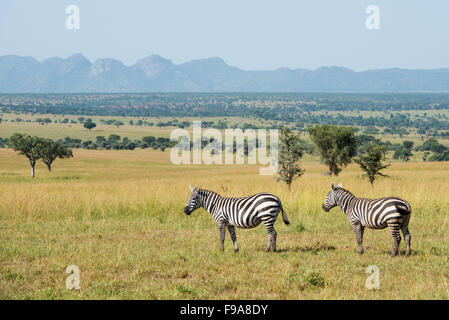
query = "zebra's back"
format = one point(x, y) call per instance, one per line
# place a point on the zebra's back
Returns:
point(250, 211)
point(378, 213)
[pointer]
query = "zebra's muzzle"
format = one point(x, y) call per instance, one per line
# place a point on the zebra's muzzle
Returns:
point(325, 209)
point(187, 211)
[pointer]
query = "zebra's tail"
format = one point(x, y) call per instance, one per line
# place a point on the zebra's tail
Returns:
point(284, 216)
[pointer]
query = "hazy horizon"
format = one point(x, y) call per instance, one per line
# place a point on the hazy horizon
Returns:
point(250, 35)
point(205, 58)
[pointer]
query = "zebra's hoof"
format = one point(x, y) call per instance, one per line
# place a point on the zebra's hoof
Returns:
point(360, 251)
point(236, 250)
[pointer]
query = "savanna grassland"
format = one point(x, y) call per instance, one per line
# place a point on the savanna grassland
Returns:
point(118, 216)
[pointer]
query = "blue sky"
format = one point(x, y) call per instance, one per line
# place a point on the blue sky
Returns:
point(250, 34)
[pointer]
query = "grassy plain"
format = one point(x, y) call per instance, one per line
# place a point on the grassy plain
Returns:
point(61, 130)
point(118, 216)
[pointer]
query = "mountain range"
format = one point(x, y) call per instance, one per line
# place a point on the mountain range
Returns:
point(156, 74)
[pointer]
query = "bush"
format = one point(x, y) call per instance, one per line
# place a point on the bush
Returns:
point(440, 156)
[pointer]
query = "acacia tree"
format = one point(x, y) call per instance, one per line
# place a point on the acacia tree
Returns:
point(89, 124)
point(35, 148)
point(52, 150)
point(336, 145)
point(371, 162)
point(28, 146)
point(290, 153)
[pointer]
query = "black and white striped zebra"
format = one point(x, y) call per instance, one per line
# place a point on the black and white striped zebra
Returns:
point(392, 212)
point(243, 213)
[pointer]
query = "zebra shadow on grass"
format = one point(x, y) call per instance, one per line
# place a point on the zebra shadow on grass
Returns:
point(401, 253)
point(314, 249)
point(386, 252)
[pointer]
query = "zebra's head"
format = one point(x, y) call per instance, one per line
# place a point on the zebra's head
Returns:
point(193, 203)
point(331, 198)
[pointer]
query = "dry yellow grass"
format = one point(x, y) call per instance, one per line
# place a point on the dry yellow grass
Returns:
point(118, 216)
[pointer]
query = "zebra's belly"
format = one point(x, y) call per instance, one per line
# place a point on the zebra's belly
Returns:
point(366, 222)
point(381, 221)
point(245, 224)
point(379, 227)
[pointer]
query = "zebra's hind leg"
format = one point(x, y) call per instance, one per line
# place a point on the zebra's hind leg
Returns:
point(267, 249)
point(394, 229)
point(273, 240)
point(233, 237)
point(406, 234)
point(272, 235)
point(407, 238)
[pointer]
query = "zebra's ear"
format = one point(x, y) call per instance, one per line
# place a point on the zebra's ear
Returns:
point(332, 185)
point(192, 188)
point(340, 185)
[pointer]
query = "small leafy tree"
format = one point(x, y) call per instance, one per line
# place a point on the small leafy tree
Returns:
point(404, 152)
point(290, 153)
point(371, 162)
point(336, 145)
point(52, 150)
point(28, 146)
point(88, 124)
point(407, 144)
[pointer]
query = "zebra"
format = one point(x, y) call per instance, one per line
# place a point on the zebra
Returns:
point(392, 212)
point(243, 213)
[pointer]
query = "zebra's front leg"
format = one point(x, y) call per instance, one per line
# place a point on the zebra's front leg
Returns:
point(222, 229)
point(233, 237)
point(358, 230)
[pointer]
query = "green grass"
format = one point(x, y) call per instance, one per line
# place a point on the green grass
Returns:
point(118, 216)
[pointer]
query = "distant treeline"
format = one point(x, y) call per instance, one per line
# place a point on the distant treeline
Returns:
point(220, 124)
point(295, 109)
point(216, 104)
point(433, 150)
point(115, 142)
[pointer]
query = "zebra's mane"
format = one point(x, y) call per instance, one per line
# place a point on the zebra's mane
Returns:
point(207, 192)
point(344, 190)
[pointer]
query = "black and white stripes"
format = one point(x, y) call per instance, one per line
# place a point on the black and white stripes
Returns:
point(249, 212)
point(244, 213)
point(392, 212)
